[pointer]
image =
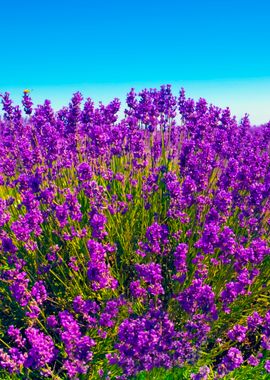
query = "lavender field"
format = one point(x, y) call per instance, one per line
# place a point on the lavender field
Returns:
point(134, 247)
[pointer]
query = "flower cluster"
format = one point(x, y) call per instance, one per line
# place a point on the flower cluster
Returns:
point(134, 243)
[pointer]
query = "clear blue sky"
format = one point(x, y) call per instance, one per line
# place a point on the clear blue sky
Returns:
point(59, 46)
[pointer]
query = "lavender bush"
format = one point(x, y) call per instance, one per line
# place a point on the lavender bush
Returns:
point(133, 245)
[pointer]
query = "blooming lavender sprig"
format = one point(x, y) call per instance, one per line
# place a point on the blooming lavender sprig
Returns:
point(98, 271)
point(27, 102)
point(7, 105)
point(232, 360)
point(151, 275)
point(42, 349)
point(77, 346)
point(237, 333)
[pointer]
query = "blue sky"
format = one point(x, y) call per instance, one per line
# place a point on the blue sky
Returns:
point(215, 49)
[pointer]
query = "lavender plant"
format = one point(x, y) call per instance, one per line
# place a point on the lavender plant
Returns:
point(136, 245)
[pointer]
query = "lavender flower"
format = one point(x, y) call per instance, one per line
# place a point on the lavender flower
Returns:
point(98, 271)
point(252, 360)
point(232, 360)
point(237, 333)
point(42, 349)
point(151, 274)
point(39, 292)
point(27, 102)
point(267, 366)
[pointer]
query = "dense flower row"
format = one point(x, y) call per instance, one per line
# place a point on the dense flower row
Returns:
point(132, 244)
